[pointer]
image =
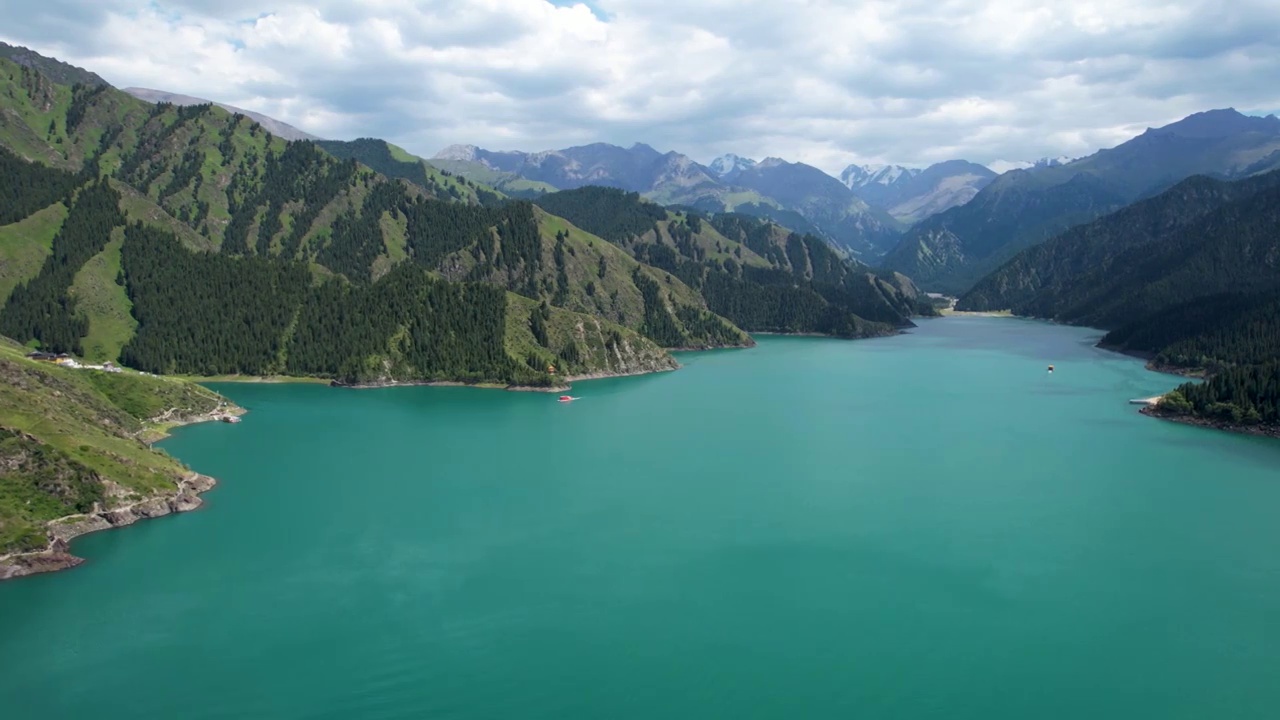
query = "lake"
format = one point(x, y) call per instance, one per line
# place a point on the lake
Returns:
point(923, 526)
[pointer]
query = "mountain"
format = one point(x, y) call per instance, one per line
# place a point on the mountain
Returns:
point(1190, 278)
point(800, 196)
point(639, 168)
point(858, 176)
point(467, 161)
point(51, 68)
point(953, 250)
point(1202, 237)
point(396, 163)
point(1052, 161)
point(275, 127)
point(911, 195)
point(1042, 280)
point(825, 202)
point(76, 442)
point(241, 231)
point(751, 271)
point(185, 239)
point(726, 167)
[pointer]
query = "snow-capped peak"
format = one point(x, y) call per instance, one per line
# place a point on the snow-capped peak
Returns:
point(856, 176)
point(730, 164)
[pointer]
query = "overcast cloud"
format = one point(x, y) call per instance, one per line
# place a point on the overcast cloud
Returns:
point(828, 83)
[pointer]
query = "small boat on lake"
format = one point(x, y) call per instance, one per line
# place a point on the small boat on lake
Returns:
point(567, 398)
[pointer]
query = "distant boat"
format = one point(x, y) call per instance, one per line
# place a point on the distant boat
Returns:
point(567, 398)
point(1050, 368)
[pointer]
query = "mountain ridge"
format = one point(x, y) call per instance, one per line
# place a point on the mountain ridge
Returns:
point(911, 194)
point(1189, 279)
point(51, 67)
point(672, 178)
point(951, 251)
point(275, 127)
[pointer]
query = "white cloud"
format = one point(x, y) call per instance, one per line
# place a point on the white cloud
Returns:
point(822, 81)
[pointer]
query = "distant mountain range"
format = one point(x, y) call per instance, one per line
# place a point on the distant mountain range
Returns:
point(799, 196)
point(950, 251)
point(277, 128)
point(911, 194)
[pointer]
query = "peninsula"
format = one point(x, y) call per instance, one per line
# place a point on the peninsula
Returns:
point(76, 455)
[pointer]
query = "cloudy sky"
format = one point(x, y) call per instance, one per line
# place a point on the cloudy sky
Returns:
point(820, 81)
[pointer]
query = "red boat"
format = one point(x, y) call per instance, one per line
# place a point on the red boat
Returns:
point(567, 398)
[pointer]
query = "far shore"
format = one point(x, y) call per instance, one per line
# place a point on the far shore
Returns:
point(1268, 431)
point(248, 378)
point(948, 312)
point(561, 387)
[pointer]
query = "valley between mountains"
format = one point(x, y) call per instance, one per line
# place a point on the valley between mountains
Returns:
point(183, 239)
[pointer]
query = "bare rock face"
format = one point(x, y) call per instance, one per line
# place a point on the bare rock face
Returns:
point(55, 558)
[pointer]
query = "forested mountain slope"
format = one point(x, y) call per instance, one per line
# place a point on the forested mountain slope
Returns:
point(275, 127)
point(1040, 280)
point(953, 250)
point(754, 272)
point(1190, 278)
point(200, 312)
point(190, 240)
point(52, 68)
point(218, 182)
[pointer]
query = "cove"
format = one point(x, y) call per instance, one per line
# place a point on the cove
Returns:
point(923, 526)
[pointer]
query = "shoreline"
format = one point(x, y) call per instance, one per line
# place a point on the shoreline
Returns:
point(160, 425)
point(1267, 431)
point(486, 385)
point(977, 313)
point(185, 497)
point(904, 330)
point(1152, 365)
point(1151, 406)
point(61, 531)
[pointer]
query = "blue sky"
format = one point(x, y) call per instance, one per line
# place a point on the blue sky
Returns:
point(819, 81)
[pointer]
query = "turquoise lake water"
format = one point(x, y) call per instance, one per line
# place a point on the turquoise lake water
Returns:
point(924, 526)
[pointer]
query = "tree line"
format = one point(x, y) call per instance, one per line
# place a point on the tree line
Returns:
point(41, 308)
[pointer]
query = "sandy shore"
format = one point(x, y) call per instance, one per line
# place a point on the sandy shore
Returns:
point(1153, 400)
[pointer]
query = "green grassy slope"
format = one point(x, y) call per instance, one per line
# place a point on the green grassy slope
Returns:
point(24, 245)
point(64, 432)
point(397, 163)
point(588, 275)
point(220, 182)
point(508, 183)
point(103, 301)
point(579, 344)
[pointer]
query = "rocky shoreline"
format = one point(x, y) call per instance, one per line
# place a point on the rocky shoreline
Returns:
point(561, 387)
point(447, 383)
point(1268, 431)
point(57, 556)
